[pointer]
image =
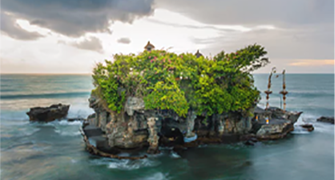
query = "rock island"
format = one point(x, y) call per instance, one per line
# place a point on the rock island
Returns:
point(159, 98)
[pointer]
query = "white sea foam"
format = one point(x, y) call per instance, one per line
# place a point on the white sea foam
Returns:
point(300, 132)
point(324, 127)
point(307, 118)
point(131, 164)
point(156, 176)
point(318, 126)
point(65, 128)
point(174, 155)
point(64, 122)
point(126, 164)
point(66, 133)
point(80, 110)
point(298, 129)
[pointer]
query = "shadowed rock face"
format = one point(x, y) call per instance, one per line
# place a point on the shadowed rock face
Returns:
point(47, 114)
point(136, 127)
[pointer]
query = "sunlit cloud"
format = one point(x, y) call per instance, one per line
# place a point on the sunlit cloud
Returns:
point(51, 49)
point(313, 62)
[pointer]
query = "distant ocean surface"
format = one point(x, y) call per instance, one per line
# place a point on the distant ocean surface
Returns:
point(56, 150)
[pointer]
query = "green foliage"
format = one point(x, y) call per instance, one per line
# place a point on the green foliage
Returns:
point(167, 95)
point(166, 80)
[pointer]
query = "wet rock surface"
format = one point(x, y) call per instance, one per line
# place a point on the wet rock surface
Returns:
point(137, 128)
point(275, 129)
point(326, 119)
point(47, 114)
point(308, 127)
point(273, 123)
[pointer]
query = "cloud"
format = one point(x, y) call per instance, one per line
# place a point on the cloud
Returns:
point(123, 40)
point(211, 27)
point(77, 17)
point(304, 29)
point(45, 57)
point(280, 12)
point(13, 30)
point(308, 42)
point(90, 43)
point(312, 62)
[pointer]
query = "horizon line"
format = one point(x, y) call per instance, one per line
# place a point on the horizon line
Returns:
point(92, 73)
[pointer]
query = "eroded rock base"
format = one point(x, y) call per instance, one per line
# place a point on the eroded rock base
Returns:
point(136, 128)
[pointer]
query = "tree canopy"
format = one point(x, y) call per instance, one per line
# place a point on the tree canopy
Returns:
point(168, 81)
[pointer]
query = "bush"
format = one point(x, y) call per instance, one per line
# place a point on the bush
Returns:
point(167, 81)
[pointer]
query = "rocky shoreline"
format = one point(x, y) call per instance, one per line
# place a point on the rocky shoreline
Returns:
point(108, 134)
point(138, 128)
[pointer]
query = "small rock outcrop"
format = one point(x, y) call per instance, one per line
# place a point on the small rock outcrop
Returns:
point(308, 127)
point(273, 123)
point(326, 119)
point(47, 114)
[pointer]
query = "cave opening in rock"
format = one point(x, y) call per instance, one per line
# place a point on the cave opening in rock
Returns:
point(170, 134)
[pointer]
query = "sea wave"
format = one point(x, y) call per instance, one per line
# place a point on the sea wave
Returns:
point(125, 164)
point(324, 127)
point(130, 164)
point(58, 124)
point(66, 123)
point(299, 130)
point(66, 133)
point(156, 176)
point(45, 95)
point(174, 155)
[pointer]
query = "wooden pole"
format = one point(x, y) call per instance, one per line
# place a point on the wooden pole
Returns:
point(268, 92)
point(284, 92)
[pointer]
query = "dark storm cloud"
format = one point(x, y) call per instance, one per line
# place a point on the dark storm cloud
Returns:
point(91, 43)
point(9, 27)
point(76, 17)
point(123, 40)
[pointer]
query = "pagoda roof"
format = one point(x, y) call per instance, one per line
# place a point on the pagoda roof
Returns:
point(198, 54)
point(149, 45)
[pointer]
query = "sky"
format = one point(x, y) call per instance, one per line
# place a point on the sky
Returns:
point(71, 36)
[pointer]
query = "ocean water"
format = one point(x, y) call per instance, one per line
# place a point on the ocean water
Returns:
point(56, 150)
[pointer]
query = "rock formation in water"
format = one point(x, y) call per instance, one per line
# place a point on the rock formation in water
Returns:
point(158, 98)
point(326, 119)
point(137, 127)
point(47, 114)
point(279, 124)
